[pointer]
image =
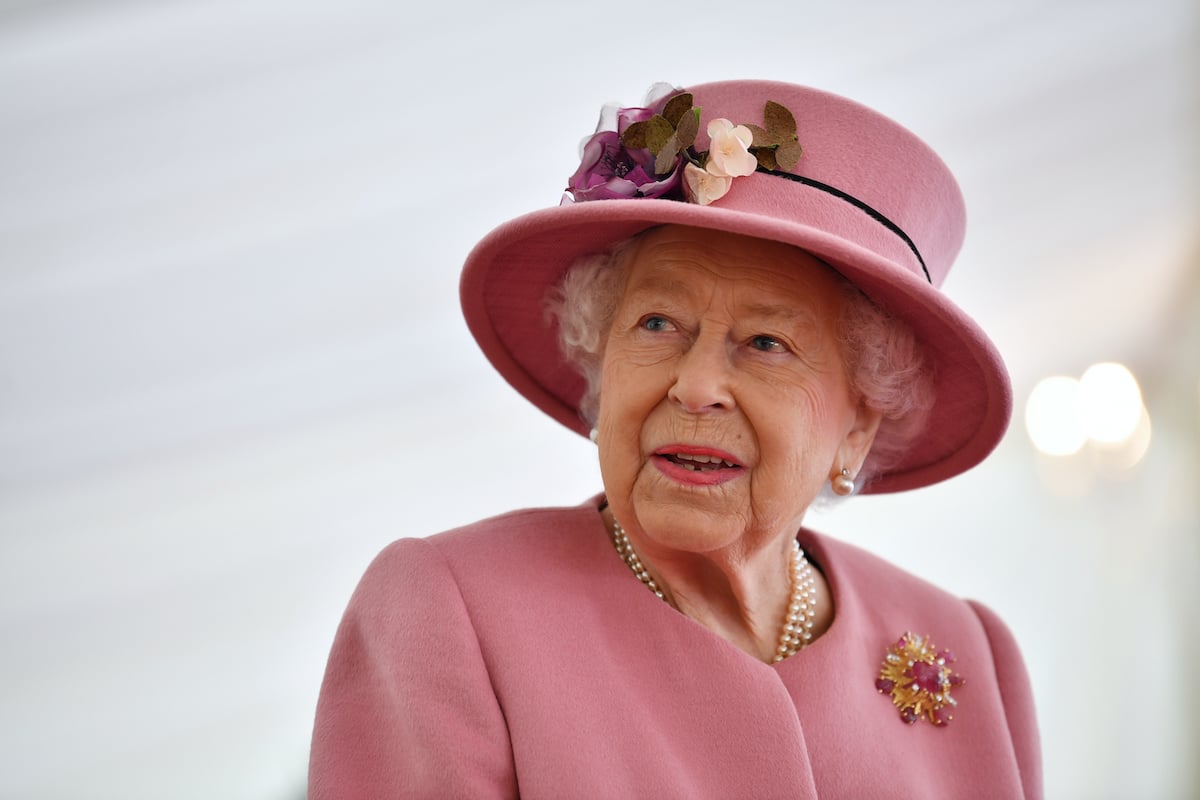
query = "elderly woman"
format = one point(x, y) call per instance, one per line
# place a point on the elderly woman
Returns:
point(738, 300)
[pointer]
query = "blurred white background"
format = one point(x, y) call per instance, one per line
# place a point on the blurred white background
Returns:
point(232, 365)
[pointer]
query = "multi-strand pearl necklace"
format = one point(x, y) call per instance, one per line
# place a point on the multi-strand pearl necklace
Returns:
point(796, 632)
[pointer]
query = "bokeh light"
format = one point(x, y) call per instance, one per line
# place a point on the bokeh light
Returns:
point(1128, 453)
point(1111, 403)
point(1052, 416)
point(1103, 407)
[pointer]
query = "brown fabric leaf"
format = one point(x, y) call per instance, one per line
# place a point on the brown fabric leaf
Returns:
point(766, 158)
point(787, 154)
point(634, 136)
point(780, 124)
point(667, 157)
point(687, 128)
point(658, 131)
point(760, 136)
point(676, 107)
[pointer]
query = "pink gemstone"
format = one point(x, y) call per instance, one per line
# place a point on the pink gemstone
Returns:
point(908, 715)
point(884, 685)
point(927, 677)
point(941, 716)
point(957, 680)
point(947, 656)
point(902, 642)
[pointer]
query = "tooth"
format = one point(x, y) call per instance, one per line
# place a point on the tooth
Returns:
point(688, 458)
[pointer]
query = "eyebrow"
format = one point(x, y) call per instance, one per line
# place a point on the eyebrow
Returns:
point(662, 286)
point(780, 312)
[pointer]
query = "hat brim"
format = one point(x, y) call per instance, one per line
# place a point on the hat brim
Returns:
point(507, 275)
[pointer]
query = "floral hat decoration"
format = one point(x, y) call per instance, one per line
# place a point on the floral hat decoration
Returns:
point(650, 154)
point(774, 161)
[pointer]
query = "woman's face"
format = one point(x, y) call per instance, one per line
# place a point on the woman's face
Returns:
point(724, 405)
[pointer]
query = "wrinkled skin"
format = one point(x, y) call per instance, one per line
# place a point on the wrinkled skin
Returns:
point(725, 343)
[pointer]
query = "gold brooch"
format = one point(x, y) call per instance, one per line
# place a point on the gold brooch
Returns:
point(918, 677)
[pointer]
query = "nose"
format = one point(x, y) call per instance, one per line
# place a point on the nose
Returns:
point(703, 377)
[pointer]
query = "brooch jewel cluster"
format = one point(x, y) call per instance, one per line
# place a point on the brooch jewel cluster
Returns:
point(918, 677)
point(650, 153)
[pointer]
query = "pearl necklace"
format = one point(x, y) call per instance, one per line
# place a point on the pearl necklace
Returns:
point(796, 631)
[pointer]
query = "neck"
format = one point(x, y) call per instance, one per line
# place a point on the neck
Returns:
point(739, 594)
point(743, 600)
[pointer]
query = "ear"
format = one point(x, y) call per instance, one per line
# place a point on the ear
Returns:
point(852, 452)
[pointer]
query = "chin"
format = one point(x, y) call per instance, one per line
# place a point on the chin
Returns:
point(690, 528)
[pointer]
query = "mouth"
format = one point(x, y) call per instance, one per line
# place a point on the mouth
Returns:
point(699, 463)
point(694, 459)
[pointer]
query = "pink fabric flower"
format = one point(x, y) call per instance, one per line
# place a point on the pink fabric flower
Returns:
point(610, 171)
point(729, 155)
point(702, 187)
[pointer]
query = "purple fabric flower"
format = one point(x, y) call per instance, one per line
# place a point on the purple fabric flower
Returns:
point(610, 171)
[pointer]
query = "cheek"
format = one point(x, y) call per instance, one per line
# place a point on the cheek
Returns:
point(632, 383)
point(800, 437)
point(624, 407)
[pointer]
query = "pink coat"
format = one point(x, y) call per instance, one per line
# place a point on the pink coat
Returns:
point(519, 656)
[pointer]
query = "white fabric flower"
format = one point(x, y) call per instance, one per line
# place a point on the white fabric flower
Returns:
point(728, 154)
point(702, 186)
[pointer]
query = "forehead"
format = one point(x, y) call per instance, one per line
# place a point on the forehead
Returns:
point(756, 272)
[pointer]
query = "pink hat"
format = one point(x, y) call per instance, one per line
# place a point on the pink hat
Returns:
point(866, 196)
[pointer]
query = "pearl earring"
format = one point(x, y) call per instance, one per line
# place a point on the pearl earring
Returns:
point(842, 485)
point(594, 435)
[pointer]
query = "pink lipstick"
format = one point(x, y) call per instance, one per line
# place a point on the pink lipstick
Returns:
point(696, 466)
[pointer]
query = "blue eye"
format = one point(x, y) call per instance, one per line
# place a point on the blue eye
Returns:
point(655, 323)
point(767, 344)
